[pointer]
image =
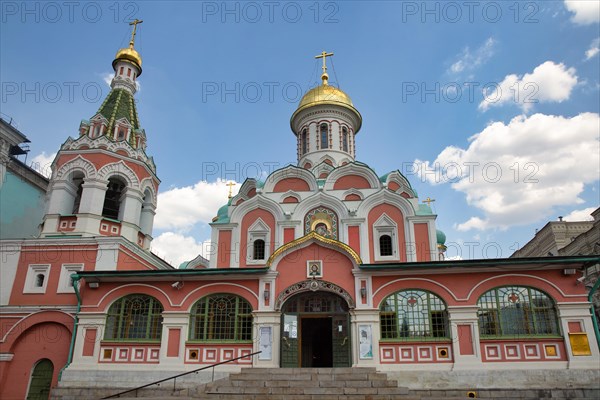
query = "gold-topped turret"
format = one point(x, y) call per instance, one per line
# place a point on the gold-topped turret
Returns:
point(129, 54)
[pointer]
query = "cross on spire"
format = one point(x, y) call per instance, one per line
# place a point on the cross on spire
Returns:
point(135, 22)
point(428, 200)
point(231, 185)
point(324, 56)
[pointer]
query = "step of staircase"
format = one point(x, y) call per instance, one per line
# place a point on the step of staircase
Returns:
point(305, 384)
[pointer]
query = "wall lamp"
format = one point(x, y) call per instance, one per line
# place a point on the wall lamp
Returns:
point(94, 285)
point(266, 295)
point(363, 292)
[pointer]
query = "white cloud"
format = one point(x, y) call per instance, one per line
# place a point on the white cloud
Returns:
point(42, 163)
point(516, 173)
point(107, 77)
point(180, 209)
point(593, 50)
point(549, 82)
point(176, 248)
point(580, 215)
point(469, 60)
point(586, 11)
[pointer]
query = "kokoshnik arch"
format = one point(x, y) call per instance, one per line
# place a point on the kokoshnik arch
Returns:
point(323, 264)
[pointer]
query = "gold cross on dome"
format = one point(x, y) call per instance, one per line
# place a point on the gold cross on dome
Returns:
point(231, 185)
point(324, 56)
point(135, 23)
point(428, 200)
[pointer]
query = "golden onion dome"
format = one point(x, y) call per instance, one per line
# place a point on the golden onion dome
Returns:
point(129, 54)
point(325, 94)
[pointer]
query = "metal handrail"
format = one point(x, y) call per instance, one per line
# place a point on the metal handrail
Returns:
point(179, 375)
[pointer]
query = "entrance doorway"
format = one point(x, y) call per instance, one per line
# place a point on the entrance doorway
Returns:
point(317, 343)
point(41, 380)
point(315, 331)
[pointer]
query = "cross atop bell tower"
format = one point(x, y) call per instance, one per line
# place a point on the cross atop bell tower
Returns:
point(324, 76)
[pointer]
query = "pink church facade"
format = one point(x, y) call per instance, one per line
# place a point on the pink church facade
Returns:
point(324, 264)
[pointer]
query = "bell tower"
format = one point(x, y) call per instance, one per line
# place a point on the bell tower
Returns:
point(325, 124)
point(103, 183)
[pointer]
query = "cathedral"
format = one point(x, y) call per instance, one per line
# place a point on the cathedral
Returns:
point(326, 263)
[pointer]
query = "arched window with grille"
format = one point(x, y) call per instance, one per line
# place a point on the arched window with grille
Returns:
point(136, 316)
point(258, 249)
point(324, 136)
point(385, 245)
point(304, 142)
point(413, 314)
point(221, 318)
point(517, 311)
point(344, 139)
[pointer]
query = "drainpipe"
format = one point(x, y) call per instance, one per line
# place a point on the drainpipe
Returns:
point(594, 319)
point(75, 278)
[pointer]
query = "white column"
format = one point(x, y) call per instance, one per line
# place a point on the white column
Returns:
point(579, 313)
point(90, 208)
point(147, 218)
point(129, 214)
point(62, 196)
point(92, 196)
point(131, 206)
point(464, 331)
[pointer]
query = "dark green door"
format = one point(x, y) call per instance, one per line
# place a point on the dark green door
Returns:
point(341, 341)
point(315, 331)
point(41, 380)
point(289, 341)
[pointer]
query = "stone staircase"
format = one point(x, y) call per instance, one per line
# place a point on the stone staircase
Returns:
point(305, 384)
point(311, 384)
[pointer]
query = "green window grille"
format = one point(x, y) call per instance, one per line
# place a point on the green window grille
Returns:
point(221, 317)
point(134, 317)
point(413, 314)
point(517, 311)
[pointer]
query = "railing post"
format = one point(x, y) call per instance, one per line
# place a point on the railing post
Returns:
point(213, 374)
point(174, 383)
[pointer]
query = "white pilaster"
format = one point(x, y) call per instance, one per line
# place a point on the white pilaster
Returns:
point(365, 317)
point(579, 312)
point(272, 320)
point(174, 320)
point(465, 317)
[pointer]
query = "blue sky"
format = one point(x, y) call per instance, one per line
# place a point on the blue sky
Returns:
point(221, 80)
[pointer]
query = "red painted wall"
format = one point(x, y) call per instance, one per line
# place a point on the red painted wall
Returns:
point(354, 238)
point(56, 256)
point(224, 250)
point(247, 222)
point(398, 218)
point(45, 340)
point(422, 242)
point(337, 268)
point(295, 184)
point(351, 182)
point(288, 235)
